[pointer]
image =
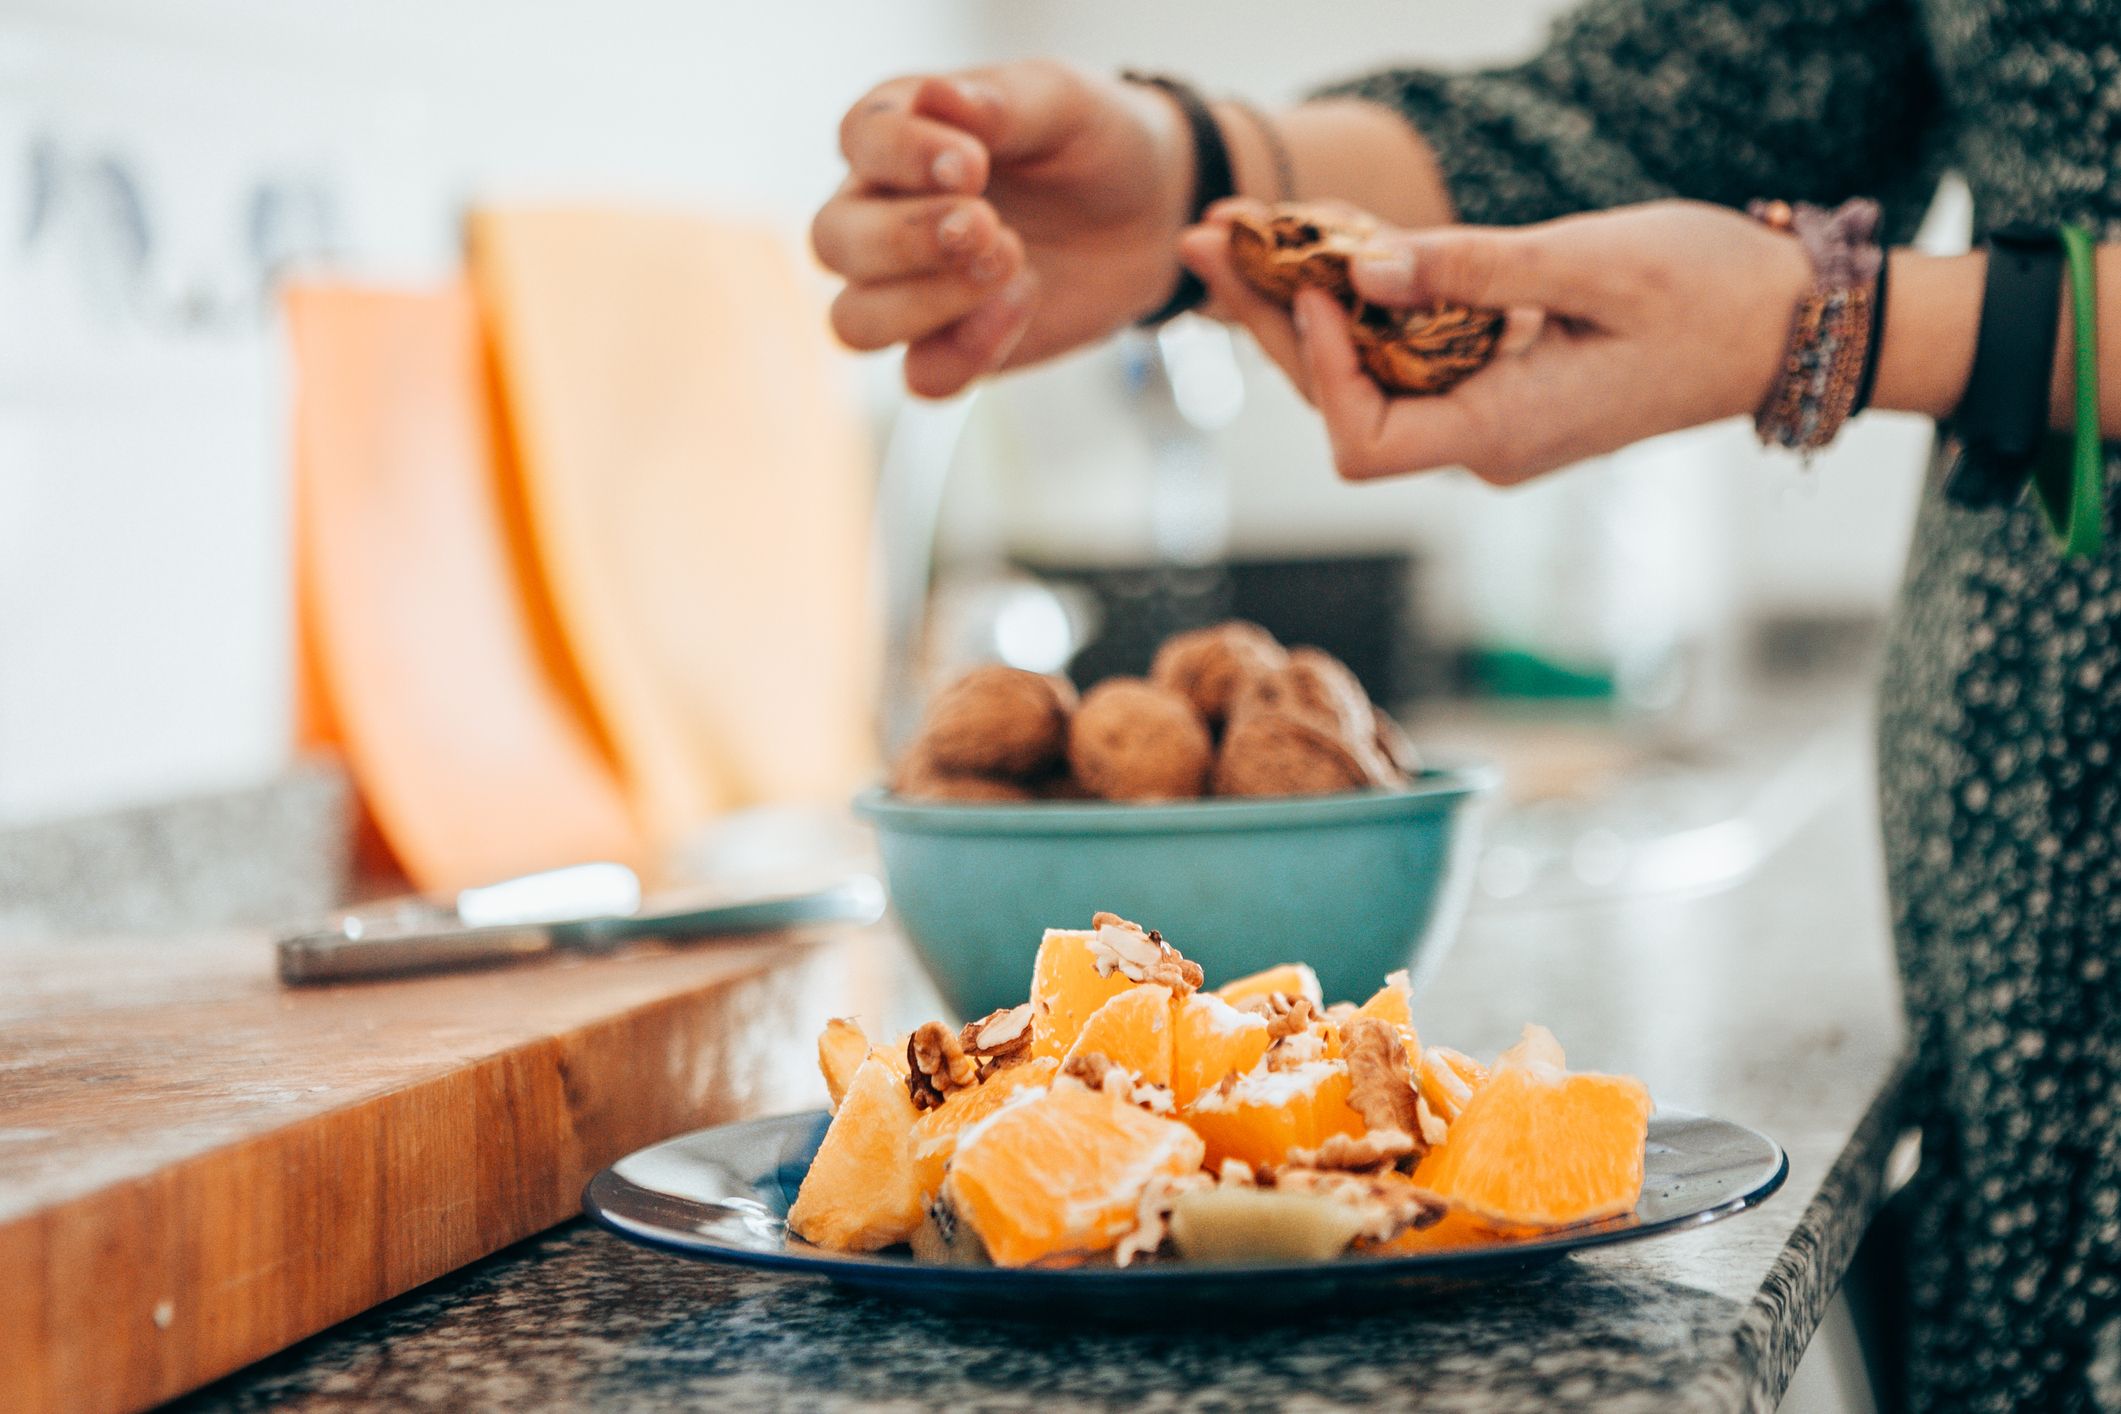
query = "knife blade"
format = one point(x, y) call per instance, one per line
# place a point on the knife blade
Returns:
point(543, 914)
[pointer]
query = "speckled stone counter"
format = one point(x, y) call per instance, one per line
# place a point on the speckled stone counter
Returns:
point(1771, 1004)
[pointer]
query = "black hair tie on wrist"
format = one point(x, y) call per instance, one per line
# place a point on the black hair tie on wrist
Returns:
point(2002, 420)
point(1212, 180)
point(1869, 378)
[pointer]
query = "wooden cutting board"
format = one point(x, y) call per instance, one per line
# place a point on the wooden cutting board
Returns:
point(198, 1168)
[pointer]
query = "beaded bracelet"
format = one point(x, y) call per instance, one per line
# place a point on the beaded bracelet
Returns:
point(1825, 366)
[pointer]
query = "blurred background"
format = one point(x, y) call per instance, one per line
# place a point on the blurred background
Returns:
point(165, 168)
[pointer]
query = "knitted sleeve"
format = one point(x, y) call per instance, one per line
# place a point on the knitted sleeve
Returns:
point(1720, 100)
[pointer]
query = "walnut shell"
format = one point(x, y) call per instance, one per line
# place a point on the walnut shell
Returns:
point(1424, 351)
point(997, 721)
point(1133, 740)
point(918, 777)
point(1211, 666)
point(1313, 684)
point(1395, 746)
point(1413, 352)
point(1275, 753)
point(1286, 247)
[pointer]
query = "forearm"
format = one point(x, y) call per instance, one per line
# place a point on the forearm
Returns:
point(1338, 149)
point(1932, 315)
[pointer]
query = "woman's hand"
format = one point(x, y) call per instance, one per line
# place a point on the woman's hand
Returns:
point(1623, 325)
point(1001, 216)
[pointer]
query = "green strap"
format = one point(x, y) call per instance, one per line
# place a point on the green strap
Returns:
point(2071, 474)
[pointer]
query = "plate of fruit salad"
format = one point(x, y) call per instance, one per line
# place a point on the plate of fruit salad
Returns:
point(1130, 1136)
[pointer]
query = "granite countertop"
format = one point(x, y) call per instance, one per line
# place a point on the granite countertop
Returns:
point(1771, 1004)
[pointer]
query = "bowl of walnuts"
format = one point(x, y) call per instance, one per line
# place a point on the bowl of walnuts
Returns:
point(1244, 799)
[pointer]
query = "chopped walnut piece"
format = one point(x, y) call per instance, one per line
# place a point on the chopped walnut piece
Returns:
point(999, 1039)
point(1100, 1072)
point(1236, 1173)
point(1356, 1153)
point(1299, 1049)
point(1378, 1087)
point(936, 1065)
point(1122, 947)
point(1286, 1015)
point(1389, 1205)
point(1152, 1216)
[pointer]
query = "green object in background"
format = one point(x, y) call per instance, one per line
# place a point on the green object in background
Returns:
point(2070, 476)
point(1519, 672)
point(1356, 885)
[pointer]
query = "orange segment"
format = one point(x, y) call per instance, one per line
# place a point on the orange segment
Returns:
point(1456, 1229)
point(1062, 1174)
point(1293, 979)
point(1212, 1039)
point(1394, 1002)
point(1270, 1112)
point(841, 1049)
point(1134, 1030)
point(935, 1133)
point(1065, 989)
point(861, 1192)
point(1538, 1148)
point(1447, 1080)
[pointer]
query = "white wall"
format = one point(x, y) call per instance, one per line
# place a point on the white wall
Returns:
point(144, 622)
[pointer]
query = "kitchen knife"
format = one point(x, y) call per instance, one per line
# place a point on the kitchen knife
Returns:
point(589, 908)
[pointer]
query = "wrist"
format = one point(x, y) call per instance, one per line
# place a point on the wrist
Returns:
point(1252, 164)
point(1931, 322)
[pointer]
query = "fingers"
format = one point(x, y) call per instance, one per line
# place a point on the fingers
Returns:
point(1017, 112)
point(1375, 436)
point(877, 315)
point(1205, 250)
point(891, 147)
point(868, 238)
point(1487, 269)
point(944, 362)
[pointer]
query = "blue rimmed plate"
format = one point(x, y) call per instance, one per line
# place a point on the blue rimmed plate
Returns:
point(722, 1195)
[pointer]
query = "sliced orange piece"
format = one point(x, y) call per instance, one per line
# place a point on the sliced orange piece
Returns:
point(841, 1049)
point(1394, 1002)
point(935, 1133)
point(1447, 1080)
point(1065, 989)
point(1061, 1175)
point(1212, 1039)
point(1268, 1113)
point(1134, 1030)
point(862, 1192)
point(1538, 1148)
point(1294, 979)
point(1456, 1228)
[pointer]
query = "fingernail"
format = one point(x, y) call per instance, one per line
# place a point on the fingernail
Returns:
point(1386, 276)
point(987, 267)
point(948, 169)
point(977, 94)
point(1301, 313)
point(954, 232)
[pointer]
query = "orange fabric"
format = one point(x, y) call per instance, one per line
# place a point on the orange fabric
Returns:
point(697, 495)
point(433, 668)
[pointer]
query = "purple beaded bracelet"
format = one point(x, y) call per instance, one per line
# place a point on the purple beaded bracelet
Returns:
point(1827, 364)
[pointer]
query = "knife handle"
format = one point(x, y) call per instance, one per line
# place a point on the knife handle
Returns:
point(341, 956)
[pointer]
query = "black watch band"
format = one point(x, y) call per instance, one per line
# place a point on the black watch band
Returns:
point(1213, 180)
point(2002, 420)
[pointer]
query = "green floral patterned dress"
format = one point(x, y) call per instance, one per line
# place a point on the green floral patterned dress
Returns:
point(2001, 714)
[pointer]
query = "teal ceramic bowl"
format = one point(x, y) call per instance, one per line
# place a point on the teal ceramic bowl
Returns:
point(1356, 884)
